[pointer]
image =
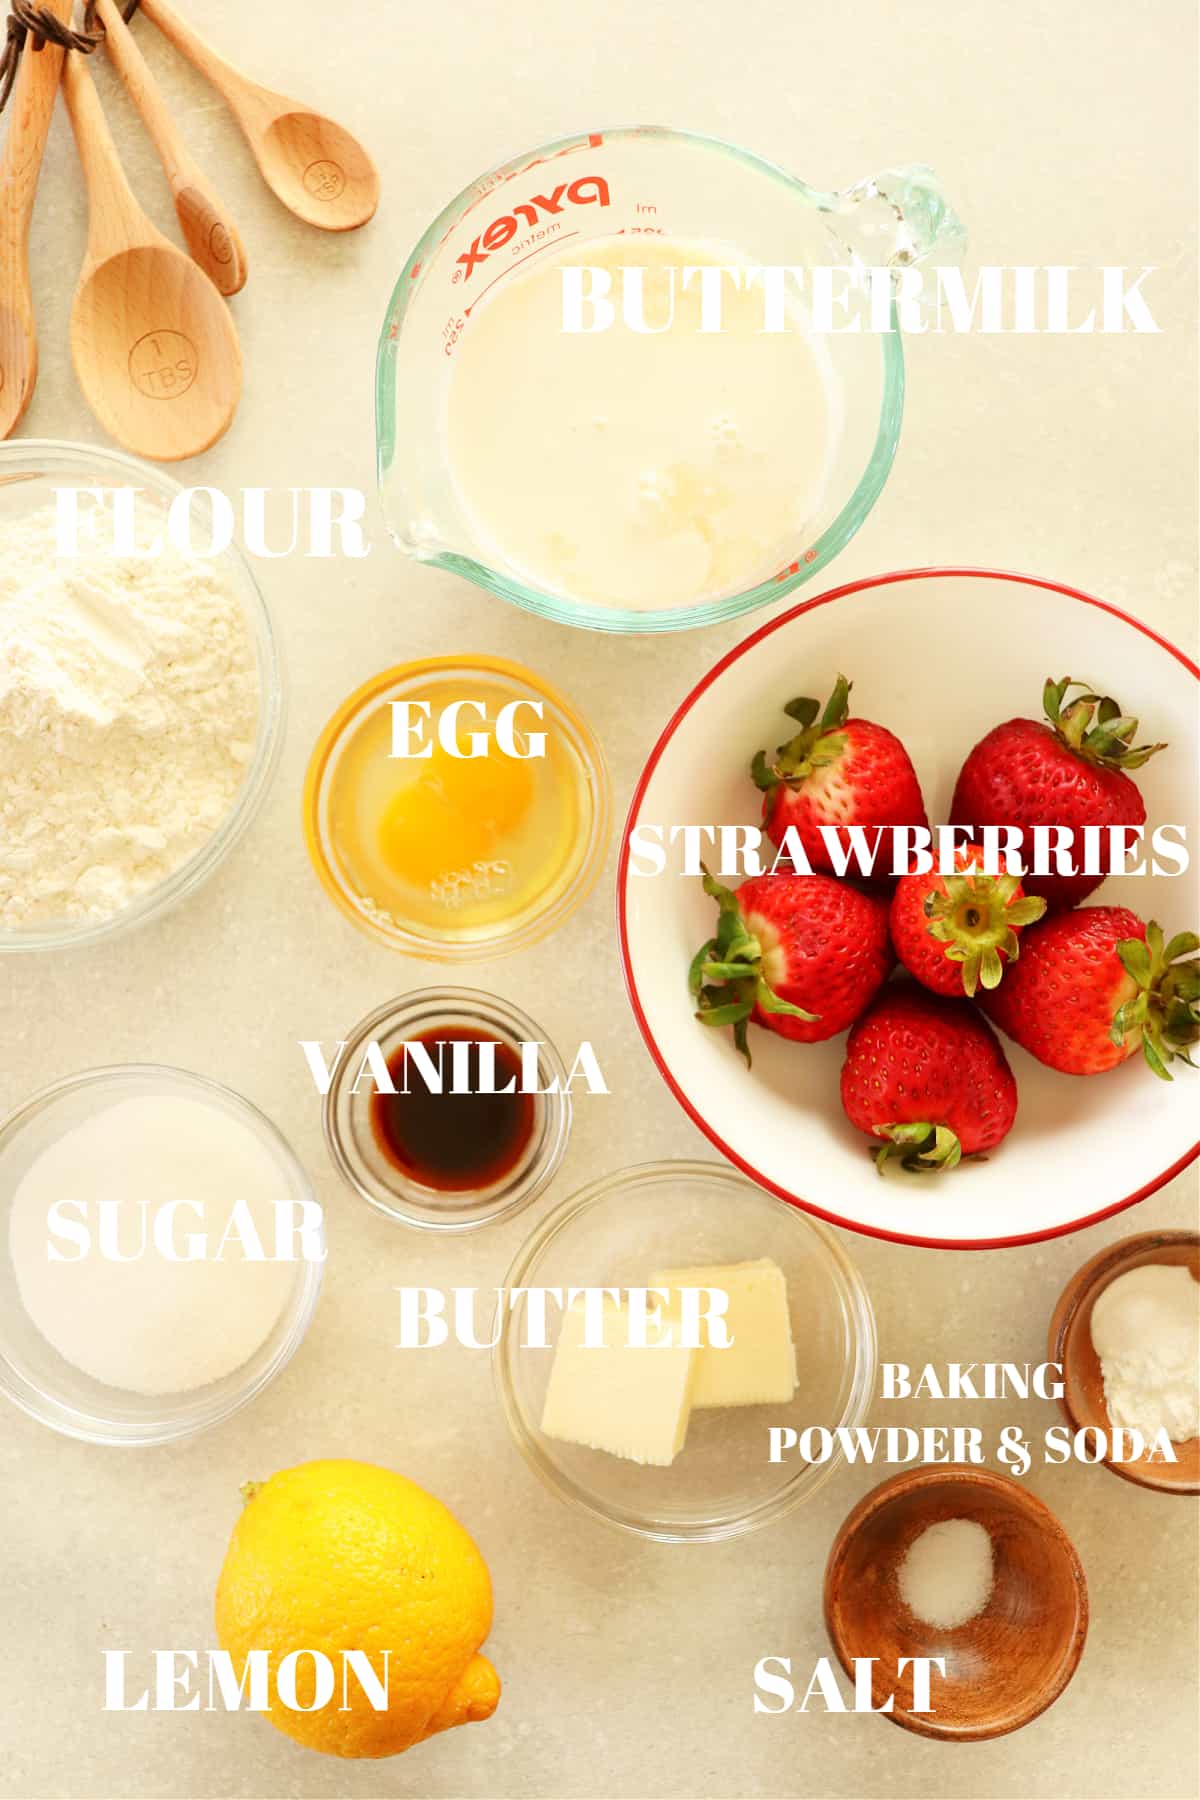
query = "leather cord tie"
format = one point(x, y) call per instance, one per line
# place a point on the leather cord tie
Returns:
point(31, 26)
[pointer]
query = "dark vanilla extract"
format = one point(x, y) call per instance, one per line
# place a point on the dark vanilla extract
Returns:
point(453, 1142)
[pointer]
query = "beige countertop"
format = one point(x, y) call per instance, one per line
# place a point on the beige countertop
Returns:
point(1063, 135)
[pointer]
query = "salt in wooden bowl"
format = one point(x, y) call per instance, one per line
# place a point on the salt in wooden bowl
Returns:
point(1003, 1667)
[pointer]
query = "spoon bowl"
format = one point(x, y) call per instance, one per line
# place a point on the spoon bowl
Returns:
point(155, 351)
point(319, 171)
point(312, 164)
point(153, 343)
point(213, 242)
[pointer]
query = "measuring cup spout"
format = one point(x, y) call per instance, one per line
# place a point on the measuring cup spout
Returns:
point(896, 219)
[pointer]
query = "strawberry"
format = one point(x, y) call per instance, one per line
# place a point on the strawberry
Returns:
point(954, 932)
point(801, 954)
point(1091, 986)
point(837, 771)
point(1071, 772)
point(928, 1076)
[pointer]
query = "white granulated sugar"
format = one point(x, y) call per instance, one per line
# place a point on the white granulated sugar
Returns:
point(129, 701)
point(147, 1323)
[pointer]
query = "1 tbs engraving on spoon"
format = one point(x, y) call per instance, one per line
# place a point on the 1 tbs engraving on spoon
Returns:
point(163, 364)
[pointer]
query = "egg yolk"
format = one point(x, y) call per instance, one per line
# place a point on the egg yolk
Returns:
point(458, 812)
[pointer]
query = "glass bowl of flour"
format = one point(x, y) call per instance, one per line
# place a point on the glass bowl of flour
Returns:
point(161, 1254)
point(141, 697)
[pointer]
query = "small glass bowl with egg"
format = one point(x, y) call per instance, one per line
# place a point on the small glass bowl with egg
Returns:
point(621, 1232)
point(440, 848)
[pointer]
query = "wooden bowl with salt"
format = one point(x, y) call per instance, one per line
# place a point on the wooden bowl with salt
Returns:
point(1071, 1345)
point(1006, 1664)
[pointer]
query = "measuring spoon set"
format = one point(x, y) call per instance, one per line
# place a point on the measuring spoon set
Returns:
point(149, 323)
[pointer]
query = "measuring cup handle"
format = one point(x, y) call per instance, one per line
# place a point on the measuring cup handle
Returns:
point(897, 218)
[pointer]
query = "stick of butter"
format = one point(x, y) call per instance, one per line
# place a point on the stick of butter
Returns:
point(630, 1400)
point(759, 1365)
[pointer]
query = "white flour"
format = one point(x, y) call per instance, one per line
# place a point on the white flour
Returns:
point(129, 701)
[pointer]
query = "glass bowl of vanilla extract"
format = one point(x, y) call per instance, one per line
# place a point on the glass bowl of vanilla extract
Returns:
point(448, 1110)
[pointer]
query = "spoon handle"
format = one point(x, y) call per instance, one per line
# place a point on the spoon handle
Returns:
point(208, 229)
point(30, 110)
point(251, 105)
point(114, 217)
point(313, 166)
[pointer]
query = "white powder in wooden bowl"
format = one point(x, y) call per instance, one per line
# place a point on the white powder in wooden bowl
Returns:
point(1146, 1330)
point(946, 1576)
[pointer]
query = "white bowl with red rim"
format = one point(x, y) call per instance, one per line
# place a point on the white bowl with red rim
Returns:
point(939, 656)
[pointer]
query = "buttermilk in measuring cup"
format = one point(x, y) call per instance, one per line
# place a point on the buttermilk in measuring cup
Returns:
point(641, 469)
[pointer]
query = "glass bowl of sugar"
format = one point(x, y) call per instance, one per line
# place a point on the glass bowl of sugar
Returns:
point(161, 1254)
point(141, 714)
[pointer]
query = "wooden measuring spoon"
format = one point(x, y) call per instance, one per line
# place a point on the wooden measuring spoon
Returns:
point(153, 343)
point(313, 165)
point(30, 109)
point(209, 232)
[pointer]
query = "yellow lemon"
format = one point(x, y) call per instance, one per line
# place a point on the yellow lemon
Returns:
point(457, 812)
point(337, 1556)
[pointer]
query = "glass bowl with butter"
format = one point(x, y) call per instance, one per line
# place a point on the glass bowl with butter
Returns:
point(671, 1437)
point(457, 808)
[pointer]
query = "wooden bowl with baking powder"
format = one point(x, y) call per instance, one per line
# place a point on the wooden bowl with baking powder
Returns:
point(1003, 1667)
point(1071, 1346)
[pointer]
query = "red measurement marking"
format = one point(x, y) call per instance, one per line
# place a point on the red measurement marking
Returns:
point(561, 239)
point(810, 556)
point(414, 271)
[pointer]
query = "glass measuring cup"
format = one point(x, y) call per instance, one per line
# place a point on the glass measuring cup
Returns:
point(656, 182)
